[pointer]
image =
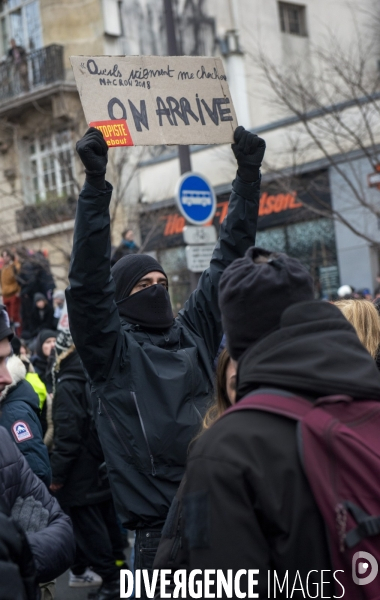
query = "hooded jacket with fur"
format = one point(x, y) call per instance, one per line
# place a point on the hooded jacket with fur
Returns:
point(19, 414)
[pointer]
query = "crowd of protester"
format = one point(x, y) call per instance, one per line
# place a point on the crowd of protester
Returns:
point(216, 457)
point(28, 292)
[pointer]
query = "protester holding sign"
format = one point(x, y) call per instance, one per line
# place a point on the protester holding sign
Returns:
point(152, 375)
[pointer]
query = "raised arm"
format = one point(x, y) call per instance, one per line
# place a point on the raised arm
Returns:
point(93, 316)
point(238, 231)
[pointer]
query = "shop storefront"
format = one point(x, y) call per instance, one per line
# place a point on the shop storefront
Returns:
point(286, 224)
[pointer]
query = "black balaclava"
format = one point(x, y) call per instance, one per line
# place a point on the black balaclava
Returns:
point(151, 307)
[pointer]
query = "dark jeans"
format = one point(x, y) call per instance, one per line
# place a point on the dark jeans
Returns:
point(146, 545)
point(98, 538)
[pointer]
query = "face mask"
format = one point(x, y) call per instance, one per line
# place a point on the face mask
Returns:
point(150, 308)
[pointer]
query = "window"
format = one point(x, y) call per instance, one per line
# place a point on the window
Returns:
point(52, 166)
point(112, 17)
point(312, 243)
point(293, 18)
point(20, 19)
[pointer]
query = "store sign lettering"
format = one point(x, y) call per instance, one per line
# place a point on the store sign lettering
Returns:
point(269, 204)
point(277, 203)
point(174, 224)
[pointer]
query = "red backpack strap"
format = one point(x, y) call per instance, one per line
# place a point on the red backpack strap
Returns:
point(289, 406)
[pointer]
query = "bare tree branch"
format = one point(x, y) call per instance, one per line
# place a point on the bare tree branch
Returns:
point(336, 111)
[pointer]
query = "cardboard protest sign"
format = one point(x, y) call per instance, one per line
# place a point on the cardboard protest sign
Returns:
point(153, 100)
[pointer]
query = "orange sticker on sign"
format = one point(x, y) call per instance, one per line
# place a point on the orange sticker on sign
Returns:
point(115, 133)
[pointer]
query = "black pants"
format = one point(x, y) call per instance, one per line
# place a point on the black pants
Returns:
point(146, 545)
point(98, 538)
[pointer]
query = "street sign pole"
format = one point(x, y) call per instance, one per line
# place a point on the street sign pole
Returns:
point(183, 151)
point(196, 201)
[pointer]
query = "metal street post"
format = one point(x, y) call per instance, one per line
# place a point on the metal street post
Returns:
point(183, 151)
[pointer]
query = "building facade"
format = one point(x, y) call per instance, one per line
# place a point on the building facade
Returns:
point(316, 201)
point(262, 44)
point(41, 118)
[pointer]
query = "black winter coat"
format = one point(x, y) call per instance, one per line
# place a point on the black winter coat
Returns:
point(121, 251)
point(28, 278)
point(53, 548)
point(71, 461)
point(43, 365)
point(40, 320)
point(19, 414)
point(45, 278)
point(247, 502)
point(151, 388)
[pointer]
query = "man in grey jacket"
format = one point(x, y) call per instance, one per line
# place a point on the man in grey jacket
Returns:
point(151, 374)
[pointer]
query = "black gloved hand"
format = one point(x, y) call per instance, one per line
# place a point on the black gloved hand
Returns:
point(93, 152)
point(249, 151)
point(29, 514)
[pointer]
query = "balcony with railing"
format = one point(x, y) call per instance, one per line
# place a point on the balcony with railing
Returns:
point(31, 72)
point(45, 213)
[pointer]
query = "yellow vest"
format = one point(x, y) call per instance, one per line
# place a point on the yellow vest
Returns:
point(38, 386)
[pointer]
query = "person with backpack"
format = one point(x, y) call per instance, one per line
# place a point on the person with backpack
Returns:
point(79, 478)
point(285, 481)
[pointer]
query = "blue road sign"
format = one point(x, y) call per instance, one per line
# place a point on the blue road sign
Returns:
point(195, 198)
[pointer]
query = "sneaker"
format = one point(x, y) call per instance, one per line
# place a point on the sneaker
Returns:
point(88, 579)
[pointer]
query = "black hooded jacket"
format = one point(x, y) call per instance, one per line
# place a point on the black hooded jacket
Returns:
point(43, 364)
point(72, 462)
point(247, 503)
point(151, 388)
point(41, 318)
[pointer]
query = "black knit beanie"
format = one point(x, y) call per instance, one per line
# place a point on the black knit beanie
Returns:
point(39, 296)
point(44, 335)
point(129, 270)
point(253, 295)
